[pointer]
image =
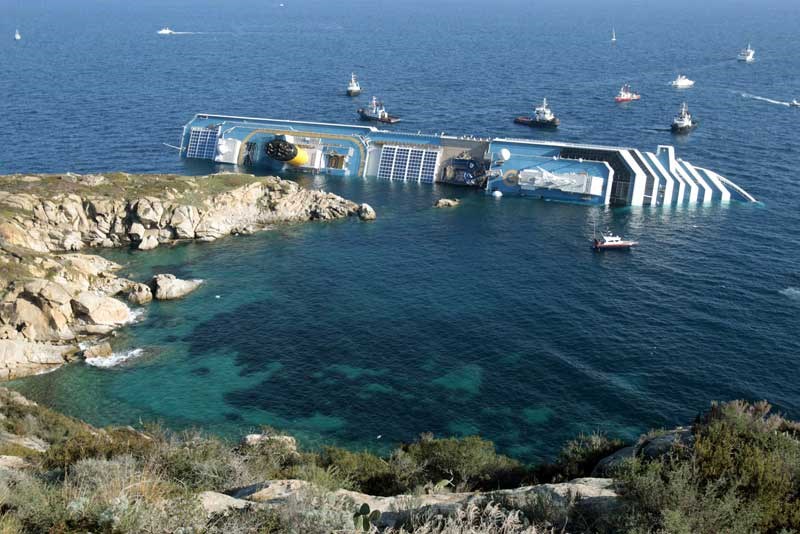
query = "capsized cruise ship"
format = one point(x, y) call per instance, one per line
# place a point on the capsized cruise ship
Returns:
point(568, 172)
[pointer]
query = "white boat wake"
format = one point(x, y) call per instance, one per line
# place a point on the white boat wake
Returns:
point(115, 359)
point(791, 292)
point(765, 99)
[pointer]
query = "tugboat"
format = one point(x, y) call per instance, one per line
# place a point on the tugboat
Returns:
point(748, 55)
point(609, 241)
point(543, 117)
point(682, 82)
point(353, 88)
point(683, 121)
point(165, 31)
point(376, 112)
point(626, 94)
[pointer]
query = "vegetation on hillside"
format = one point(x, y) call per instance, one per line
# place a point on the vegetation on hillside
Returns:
point(739, 473)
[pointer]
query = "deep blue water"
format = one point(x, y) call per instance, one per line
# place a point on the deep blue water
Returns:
point(492, 318)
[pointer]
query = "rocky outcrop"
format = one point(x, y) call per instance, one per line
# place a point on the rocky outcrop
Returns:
point(446, 203)
point(94, 217)
point(20, 357)
point(51, 301)
point(591, 494)
point(168, 287)
point(215, 504)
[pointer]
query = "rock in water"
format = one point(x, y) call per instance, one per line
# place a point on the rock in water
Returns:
point(140, 294)
point(103, 350)
point(446, 203)
point(366, 213)
point(100, 310)
point(149, 242)
point(168, 287)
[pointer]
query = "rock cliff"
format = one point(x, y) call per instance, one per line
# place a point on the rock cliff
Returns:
point(52, 297)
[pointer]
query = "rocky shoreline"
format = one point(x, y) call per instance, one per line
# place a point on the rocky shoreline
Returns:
point(55, 300)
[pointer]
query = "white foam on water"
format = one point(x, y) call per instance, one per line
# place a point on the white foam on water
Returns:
point(115, 359)
point(765, 99)
point(791, 292)
point(136, 315)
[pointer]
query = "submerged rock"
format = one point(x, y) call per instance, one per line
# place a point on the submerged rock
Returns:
point(168, 287)
point(446, 203)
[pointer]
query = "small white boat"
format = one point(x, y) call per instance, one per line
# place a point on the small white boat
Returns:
point(682, 82)
point(683, 121)
point(748, 55)
point(613, 36)
point(353, 88)
point(795, 103)
point(17, 36)
point(609, 241)
point(165, 31)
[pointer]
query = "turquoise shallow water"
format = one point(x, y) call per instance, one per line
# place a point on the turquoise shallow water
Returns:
point(492, 318)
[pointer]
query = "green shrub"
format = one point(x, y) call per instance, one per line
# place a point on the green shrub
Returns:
point(199, 462)
point(742, 475)
point(101, 444)
point(469, 463)
point(368, 473)
point(580, 455)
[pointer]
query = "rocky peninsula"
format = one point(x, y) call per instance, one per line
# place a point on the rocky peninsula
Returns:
point(56, 298)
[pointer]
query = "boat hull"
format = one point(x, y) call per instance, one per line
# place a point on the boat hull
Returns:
point(533, 123)
point(353, 92)
point(622, 245)
point(623, 99)
point(680, 129)
point(364, 116)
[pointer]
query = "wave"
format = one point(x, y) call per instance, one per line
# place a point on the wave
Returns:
point(115, 359)
point(765, 99)
point(791, 292)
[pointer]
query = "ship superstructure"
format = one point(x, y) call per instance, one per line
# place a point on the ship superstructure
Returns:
point(569, 172)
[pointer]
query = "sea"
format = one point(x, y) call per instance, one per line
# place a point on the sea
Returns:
point(494, 318)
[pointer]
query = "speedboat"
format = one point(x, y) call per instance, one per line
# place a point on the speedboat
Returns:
point(17, 36)
point(682, 82)
point(795, 103)
point(683, 121)
point(376, 112)
point(165, 31)
point(609, 241)
point(613, 36)
point(748, 55)
point(353, 88)
point(543, 117)
point(626, 94)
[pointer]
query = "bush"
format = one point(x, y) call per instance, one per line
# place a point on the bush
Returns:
point(101, 444)
point(199, 462)
point(580, 455)
point(367, 472)
point(741, 476)
point(468, 463)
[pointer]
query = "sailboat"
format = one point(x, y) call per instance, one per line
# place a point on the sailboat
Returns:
point(613, 36)
point(17, 36)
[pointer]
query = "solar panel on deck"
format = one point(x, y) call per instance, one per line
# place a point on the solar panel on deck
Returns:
point(403, 163)
point(202, 143)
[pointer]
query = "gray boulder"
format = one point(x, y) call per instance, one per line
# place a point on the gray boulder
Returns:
point(366, 213)
point(446, 203)
point(168, 287)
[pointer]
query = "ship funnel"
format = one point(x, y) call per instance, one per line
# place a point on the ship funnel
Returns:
point(280, 149)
